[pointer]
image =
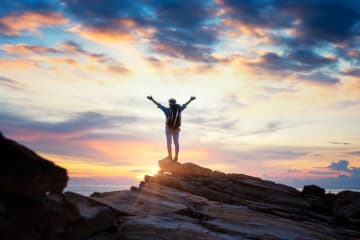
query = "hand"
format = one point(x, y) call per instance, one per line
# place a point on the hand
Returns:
point(150, 97)
point(192, 98)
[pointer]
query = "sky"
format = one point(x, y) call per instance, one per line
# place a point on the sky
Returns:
point(277, 85)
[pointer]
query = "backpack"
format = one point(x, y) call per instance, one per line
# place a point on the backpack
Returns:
point(174, 118)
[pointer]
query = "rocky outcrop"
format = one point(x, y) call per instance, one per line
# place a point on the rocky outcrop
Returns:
point(186, 201)
point(346, 209)
point(183, 201)
point(33, 207)
point(26, 174)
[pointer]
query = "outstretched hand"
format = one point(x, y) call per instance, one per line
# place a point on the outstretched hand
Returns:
point(192, 98)
point(150, 97)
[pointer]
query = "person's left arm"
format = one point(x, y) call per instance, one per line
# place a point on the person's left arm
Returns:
point(189, 101)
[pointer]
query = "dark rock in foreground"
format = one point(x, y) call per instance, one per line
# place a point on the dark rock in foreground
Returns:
point(183, 201)
point(26, 174)
point(32, 205)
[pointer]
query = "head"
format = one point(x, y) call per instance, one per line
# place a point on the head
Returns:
point(172, 101)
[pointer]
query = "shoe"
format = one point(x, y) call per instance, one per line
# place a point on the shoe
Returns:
point(175, 159)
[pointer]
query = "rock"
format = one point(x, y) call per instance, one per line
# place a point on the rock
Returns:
point(319, 202)
point(346, 209)
point(97, 218)
point(159, 212)
point(228, 188)
point(185, 169)
point(24, 173)
point(32, 205)
point(313, 190)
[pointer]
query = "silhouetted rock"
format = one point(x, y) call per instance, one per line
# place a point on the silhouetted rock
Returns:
point(319, 202)
point(313, 190)
point(26, 174)
point(32, 206)
point(346, 209)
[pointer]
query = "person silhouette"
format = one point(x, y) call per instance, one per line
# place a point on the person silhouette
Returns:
point(173, 123)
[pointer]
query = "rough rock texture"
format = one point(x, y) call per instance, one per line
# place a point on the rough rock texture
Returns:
point(183, 201)
point(186, 201)
point(25, 173)
point(32, 205)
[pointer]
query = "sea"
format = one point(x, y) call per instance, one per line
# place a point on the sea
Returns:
point(87, 190)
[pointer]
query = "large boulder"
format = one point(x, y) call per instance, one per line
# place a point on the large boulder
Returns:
point(346, 208)
point(319, 201)
point(313, 190)
point(24, 173)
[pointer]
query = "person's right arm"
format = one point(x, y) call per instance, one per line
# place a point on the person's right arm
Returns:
point(153, 100)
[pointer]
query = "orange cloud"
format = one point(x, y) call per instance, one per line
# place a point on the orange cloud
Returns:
point(242, 28)
point(14, 24)
point(102, 35)
point(127, 31)
point(25, 49)
point(17, 64)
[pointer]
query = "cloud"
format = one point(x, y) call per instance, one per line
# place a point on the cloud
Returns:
point(21, 6)
point(266, 154)
point(270, 127)
point(345, 177)
point(311, 21)
point(296, 60)
point(340, 143)
point(112, 65)
point(180, 29)
point(81, 135)
point(76, 126)
point(341, 165)
point(355, 153)
point(279, 90)
point(185, 29)
point(347, 103)
point(26, 49)
point(319, 78)
point(16, 24)
point(66, 52)
point(307, 35)
point(354, 72)
point(256, 13)
point(10, 83)
point(332, 21)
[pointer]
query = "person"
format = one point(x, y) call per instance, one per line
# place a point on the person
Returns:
point(173, 123)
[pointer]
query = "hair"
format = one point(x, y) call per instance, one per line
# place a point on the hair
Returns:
point(172, 100)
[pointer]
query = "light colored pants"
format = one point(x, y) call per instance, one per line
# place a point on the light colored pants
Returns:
point(172, 134)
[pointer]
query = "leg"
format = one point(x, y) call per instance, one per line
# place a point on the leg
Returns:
point(176, 143)
point(168, 142)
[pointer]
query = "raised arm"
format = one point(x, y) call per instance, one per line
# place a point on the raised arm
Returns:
point(153, 100)
point(190, 100)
